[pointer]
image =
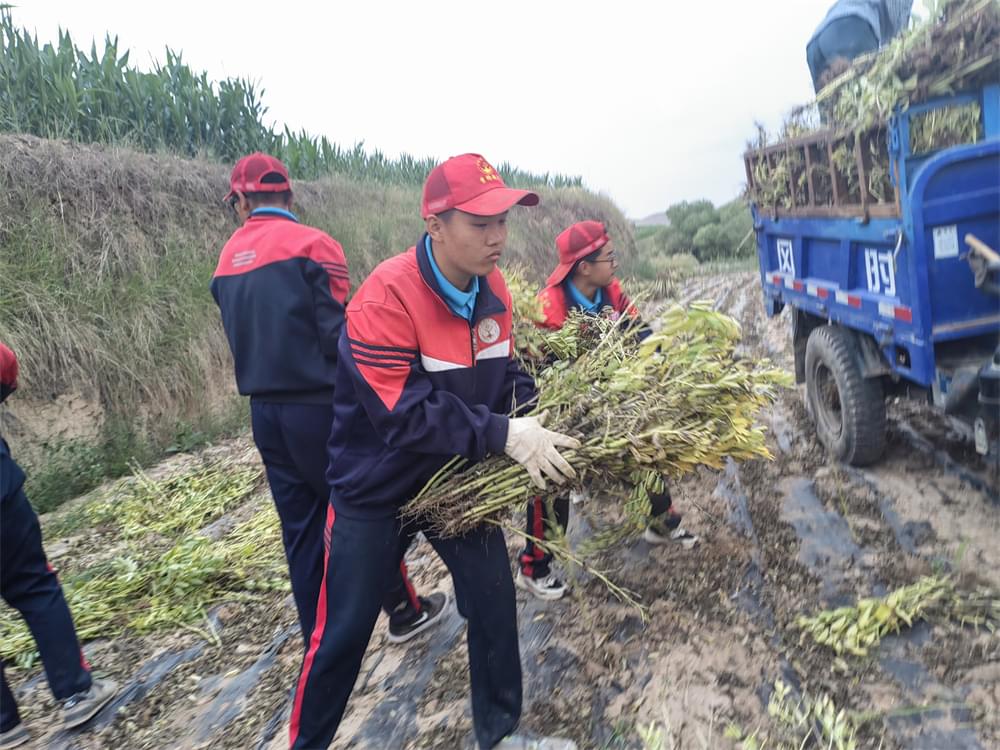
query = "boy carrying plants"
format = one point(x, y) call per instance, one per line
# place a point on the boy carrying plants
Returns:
point(426, 371)
point(585, 280)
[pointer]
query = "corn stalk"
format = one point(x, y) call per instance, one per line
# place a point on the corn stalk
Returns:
point(61, 91)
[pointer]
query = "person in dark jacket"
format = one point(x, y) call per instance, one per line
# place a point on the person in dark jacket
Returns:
point(426, 372)
point(281, 287)
point(29, 584)
point(850, 29)
point(585, 280)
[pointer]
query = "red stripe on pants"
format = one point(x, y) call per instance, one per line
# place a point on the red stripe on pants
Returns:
point(539, 527)
point(414, 600)
point(317, 634)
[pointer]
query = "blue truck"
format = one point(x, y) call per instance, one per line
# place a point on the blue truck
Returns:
point(884, 251)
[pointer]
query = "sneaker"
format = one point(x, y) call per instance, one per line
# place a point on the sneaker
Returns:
point(14, 737)
point(520, 742)
point(655, 534)
point(431, 609)
point(82, 707)
point(548, 588)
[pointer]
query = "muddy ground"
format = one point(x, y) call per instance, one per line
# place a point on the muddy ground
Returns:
point(779, 539)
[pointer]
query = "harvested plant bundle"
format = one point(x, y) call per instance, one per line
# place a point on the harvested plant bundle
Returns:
point(944, 127)
point(857, 628)
point(170, 505)
point(678, 400)
point(158, 566)
point(957, 48)
point(806, 721)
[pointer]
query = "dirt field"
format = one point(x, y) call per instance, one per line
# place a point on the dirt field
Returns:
point(779, 539)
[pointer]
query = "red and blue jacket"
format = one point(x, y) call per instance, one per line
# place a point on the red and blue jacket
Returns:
point(556, 304)
point(418, 384)
point(281, 287)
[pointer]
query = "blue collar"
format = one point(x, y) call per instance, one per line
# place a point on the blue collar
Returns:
point(579, 300)
point(274, 211)
point(463, 304)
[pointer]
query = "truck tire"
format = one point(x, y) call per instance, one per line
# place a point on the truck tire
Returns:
point(848, 409)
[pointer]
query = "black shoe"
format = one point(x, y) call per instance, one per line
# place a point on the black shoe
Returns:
point(82, 707)
point(667, 528)
point(431, 609)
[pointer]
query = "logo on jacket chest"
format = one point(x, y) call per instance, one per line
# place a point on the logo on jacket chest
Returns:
point(488, 330)
point(244, 258)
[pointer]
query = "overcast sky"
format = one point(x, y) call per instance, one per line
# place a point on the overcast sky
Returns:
point(651, 102)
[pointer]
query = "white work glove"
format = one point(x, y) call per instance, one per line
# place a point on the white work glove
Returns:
point(534, 447)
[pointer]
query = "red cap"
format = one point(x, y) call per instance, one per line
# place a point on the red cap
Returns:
point(8, 370)
point(578, 241)
point(471, 184)
point(250, 171)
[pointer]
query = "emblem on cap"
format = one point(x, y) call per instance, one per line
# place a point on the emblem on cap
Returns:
point(489, 330)
point(489, 173)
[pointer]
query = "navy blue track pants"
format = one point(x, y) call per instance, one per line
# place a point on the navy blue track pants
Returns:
point(361, 559)
point(292, 439)
point(29, 585)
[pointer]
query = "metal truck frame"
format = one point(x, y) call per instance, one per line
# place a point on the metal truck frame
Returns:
point(875, 266)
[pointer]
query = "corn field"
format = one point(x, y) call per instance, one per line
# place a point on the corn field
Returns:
point(61, 91)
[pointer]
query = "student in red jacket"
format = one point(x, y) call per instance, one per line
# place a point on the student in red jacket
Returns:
point(585, 280)
point(281, 287)
point(426, 371)
point(29, 584)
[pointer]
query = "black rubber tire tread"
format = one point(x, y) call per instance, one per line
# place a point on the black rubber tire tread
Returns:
point(862, 438)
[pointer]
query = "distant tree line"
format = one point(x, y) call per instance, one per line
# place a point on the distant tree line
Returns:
point(697, 232)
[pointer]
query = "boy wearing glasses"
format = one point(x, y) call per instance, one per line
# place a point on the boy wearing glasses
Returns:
point(585, 280)
point(281, 287)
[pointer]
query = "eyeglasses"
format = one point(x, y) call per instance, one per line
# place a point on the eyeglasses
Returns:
point(612, 259)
